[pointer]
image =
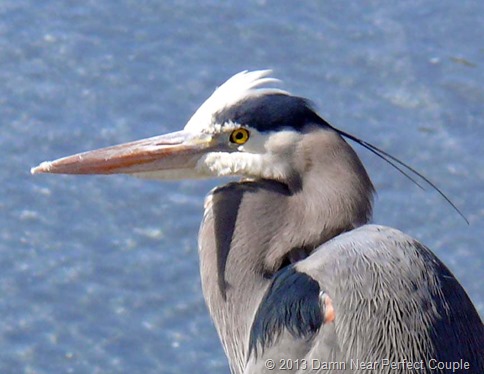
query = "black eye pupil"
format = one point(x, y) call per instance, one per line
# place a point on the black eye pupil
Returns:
point(239, 135)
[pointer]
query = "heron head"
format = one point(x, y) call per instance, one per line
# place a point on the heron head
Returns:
point(243, 129)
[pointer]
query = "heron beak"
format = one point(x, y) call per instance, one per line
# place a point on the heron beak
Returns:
point(170, 156)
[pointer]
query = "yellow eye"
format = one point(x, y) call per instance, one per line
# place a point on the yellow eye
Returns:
point(239, 136)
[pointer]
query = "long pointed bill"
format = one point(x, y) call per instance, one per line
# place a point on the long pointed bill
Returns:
point(168, 156)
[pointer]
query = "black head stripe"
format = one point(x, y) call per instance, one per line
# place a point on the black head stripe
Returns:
point(271, 112)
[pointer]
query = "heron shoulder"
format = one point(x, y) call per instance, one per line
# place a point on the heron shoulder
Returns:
point(384, 283)
point(293, 308)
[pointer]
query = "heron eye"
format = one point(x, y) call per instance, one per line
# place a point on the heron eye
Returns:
point(239, 136)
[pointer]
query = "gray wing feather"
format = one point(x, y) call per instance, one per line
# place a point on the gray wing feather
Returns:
point(394, 302)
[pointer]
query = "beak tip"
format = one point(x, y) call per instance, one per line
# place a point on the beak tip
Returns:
point(43, 167)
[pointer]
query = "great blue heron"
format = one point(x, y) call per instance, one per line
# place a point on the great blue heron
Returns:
point(294, 277)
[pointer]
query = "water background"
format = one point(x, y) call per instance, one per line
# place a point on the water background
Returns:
point(100, 274)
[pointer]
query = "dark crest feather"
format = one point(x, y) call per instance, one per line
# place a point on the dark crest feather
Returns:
point(394, 162)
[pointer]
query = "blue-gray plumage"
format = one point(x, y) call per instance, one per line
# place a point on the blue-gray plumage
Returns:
point(291, 269)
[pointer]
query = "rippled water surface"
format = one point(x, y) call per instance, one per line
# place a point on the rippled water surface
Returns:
point(100, 274)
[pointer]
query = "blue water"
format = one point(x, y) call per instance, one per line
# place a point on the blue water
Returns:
point(100, 274)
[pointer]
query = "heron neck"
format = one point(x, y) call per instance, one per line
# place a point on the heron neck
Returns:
point(251, 230)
